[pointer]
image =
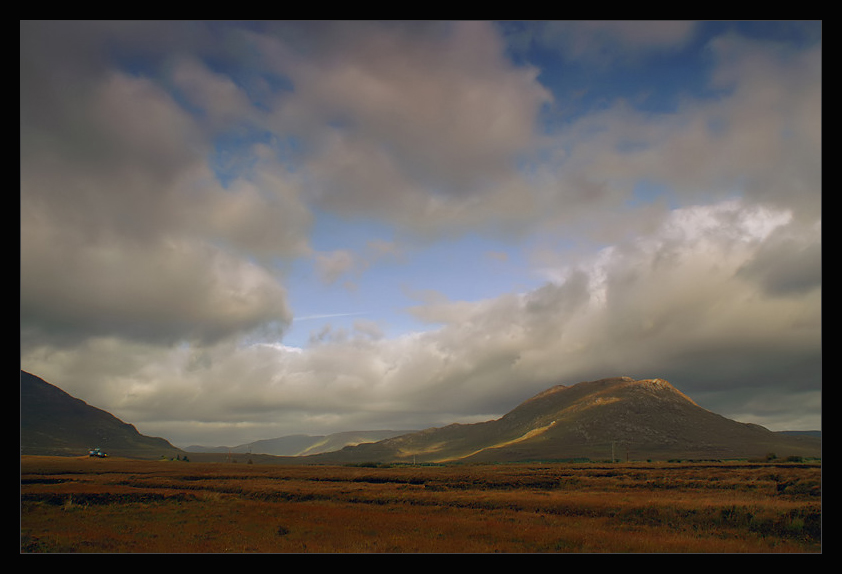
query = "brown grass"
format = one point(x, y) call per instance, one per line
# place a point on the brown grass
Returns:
point(113, 505)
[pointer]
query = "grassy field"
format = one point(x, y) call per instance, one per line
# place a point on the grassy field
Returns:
point(117, 506)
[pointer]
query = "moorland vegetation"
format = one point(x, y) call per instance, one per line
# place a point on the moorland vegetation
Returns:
point(121, 506)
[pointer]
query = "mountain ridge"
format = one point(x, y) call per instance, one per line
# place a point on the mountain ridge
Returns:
point(56, 423)
point(302, 444)
point(617, 417)
point(640, 419)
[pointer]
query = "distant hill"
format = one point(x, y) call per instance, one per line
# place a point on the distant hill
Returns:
point(617, 417)
point(54, 423)
point(302, 444)
point(813, 433)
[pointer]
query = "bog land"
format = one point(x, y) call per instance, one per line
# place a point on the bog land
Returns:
point(117, 505)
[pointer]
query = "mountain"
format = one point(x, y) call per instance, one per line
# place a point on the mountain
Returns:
point(814, 433)
point(617, 417)
point(54, 423)
point(302, 444)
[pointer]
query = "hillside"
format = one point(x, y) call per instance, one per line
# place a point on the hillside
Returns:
point(619, 417)
point(302, 444)
point(54, 423)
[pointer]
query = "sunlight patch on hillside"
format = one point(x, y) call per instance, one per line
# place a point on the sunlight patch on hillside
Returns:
point(531, 434)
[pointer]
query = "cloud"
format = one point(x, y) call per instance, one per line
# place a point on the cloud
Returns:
point(125, 230)
point(153, 250)
point(674, 304)
point(397, 118)
point(759, 137)
point(370, 329)
point(334, 264)
point(331, 266)
point(605, 43)
point(753, 132)
point(215, 95)
point(163, 291)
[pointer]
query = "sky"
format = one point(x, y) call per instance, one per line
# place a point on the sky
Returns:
point(234, 231)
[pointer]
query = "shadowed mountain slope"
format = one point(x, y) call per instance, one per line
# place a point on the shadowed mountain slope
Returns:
point(617, 417)
point(54, 423)
point(302, 444)
point(620, 417)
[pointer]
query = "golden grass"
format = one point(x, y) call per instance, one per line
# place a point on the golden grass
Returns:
point(112, 505)
point(526, 436)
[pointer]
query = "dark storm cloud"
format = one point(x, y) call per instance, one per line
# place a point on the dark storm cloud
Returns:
point(125, 230)
point(787, 264)
point(148, 284)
